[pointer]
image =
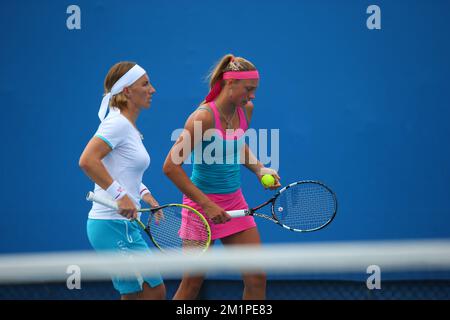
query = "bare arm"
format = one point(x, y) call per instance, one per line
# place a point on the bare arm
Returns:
point(179, 152)
point(150, 200)
point(254, 165)
point(251, 162)
point(91, 163)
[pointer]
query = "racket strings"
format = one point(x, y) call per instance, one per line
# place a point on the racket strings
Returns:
point(305, 206)
point(174, 228)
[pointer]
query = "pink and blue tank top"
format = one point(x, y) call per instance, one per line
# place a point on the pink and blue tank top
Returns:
point(216, 163)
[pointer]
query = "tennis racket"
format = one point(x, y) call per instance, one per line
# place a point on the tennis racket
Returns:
point(302, 206)
point(171, 227)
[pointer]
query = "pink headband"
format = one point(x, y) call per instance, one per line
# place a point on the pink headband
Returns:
point(239, 75)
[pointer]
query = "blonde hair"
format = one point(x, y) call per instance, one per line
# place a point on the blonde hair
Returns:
point(228, 63)
point(114, 74)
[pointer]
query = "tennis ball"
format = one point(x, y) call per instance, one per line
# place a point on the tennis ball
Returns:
point(267, 180)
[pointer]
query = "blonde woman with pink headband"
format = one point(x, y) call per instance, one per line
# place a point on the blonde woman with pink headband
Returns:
point(214, 186)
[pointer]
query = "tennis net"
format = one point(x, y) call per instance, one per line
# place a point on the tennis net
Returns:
point(414, 269)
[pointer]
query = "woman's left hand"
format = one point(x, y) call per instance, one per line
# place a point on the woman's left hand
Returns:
point(151, 201)
point(263, 171)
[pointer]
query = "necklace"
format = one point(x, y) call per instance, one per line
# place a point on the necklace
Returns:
point(230, 121)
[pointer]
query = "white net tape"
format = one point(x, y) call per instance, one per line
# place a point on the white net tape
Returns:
point(281, 258)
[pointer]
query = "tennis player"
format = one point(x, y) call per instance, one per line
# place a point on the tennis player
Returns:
point(214, 186)
point(115, 159)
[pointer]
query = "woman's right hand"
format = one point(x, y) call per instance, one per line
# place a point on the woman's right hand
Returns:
point(127, 208)
point(215, 213)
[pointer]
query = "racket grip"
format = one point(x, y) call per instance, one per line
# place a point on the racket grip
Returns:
point(102, 200)
point(239, 213)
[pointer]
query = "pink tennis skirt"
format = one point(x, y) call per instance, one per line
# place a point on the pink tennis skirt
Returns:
point(228, 201)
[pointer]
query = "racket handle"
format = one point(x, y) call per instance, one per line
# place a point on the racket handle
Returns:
point(239, 213)
point(102, 200)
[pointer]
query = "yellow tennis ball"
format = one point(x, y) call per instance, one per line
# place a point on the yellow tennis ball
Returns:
point(267, 180)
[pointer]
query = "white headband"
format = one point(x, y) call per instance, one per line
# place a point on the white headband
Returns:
point(126, 80)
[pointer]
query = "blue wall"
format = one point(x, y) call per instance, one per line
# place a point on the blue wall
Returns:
point(366, 111)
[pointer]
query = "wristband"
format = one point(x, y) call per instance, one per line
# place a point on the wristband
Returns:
point(143, 190)
point(116, 191)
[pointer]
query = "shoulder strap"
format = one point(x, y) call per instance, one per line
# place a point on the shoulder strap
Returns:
point(207, 107)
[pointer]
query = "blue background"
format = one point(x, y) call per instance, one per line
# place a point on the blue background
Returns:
point(365, 111)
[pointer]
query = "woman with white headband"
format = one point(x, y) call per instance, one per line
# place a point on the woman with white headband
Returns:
point(214, 185)
point(115, 159)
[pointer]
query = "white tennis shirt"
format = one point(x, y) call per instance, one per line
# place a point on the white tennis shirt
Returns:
point(126, 163)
